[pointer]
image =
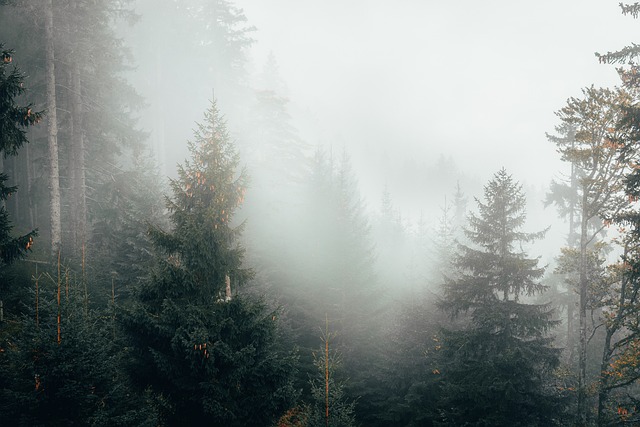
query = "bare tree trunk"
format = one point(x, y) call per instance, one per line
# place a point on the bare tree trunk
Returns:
point(14, 196)
point(29, 188)
point(571, 241)
point(603, 391)
point(52, 131)
point(79, 209)
point(227, 293)
point(582, 357)
point(570, 330)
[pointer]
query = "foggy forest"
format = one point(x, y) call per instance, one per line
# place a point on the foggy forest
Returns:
point(339, 213)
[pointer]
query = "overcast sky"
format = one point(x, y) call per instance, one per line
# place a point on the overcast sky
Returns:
point(477, 80)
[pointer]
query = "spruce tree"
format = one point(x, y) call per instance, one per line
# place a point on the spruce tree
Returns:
point(329, 405)
point(494, 370)
point(14, 119)
point(209, 354)
point(120, 248)
point(59, 363)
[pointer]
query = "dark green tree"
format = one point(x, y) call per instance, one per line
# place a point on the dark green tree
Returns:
point(495, 370)
point(14, 119)
point(60, 364)
point(209, 353)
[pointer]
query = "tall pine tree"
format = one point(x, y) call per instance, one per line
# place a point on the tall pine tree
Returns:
point(494, 370)
point(209, 354)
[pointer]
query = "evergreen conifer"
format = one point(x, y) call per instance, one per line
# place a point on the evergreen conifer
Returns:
point(209, 354)
point(495, 370)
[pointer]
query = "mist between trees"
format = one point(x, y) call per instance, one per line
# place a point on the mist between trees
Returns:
point(258, 284)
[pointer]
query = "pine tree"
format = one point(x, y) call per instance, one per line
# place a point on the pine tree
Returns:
point(494, 370)
point(14, 120)
point(208, 353)
point(59, 364)
point(391, 243)
point(330, 406)
point(120, 252)
point(444, 242)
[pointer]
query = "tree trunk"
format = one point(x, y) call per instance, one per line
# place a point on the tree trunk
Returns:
point(79, 209)
point(582, 357)
point(603, 391)
point(14, 196)
point(612, 328)
point(29, 189)
point(570, 330)
point(52, 132)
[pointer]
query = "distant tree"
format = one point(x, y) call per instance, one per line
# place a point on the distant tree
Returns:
point(279, 161)
point(495, 370)
point(208, 353)
point(338, 258)
point(279, 155)
point(391, 244)
point(333, 269)
point(565, 195)
point(444, 242)
point(120, 250)
point(270, 78)
point(351, 288)
point(226, 34)
point(460, 208)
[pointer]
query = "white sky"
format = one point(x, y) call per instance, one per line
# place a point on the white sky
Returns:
point(477, 80)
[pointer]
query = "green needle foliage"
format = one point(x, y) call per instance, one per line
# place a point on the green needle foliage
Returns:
point(60, 365)
point(14, 120)
point(209, 357)
point(496, 370)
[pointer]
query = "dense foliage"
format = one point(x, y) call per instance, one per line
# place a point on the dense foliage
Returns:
point(208, 354)
point(497, 368)
point(14, 120)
